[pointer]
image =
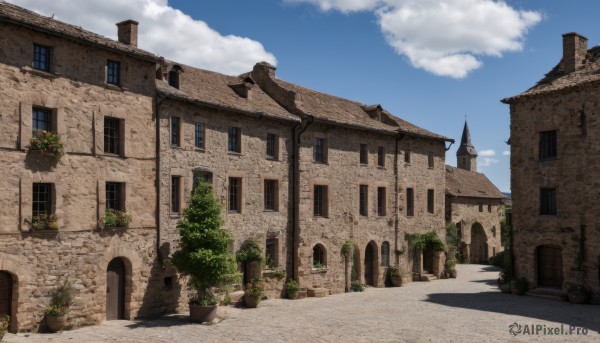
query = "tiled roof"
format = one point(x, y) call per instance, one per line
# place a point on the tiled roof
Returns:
point(19, 16)
point(343, 111)
point(214, 89)
point(464, 183)
point(557, 79)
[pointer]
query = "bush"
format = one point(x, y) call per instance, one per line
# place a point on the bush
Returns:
point(4, 322)
point(249, 252)
point(347, 249)
point(62, 297)
point(116, 218)
point(255, 288)
point(423, 241)
point(44, 222)
point(292, 287)
point(357, 286)
point(49, 143)
point(498, 260)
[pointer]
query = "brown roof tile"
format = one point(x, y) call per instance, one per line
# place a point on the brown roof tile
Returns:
point(464, 183)
point(215, 89)
point(20, 16)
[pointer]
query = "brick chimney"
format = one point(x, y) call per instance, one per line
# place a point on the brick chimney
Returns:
point(575, 48)
point(128, 32)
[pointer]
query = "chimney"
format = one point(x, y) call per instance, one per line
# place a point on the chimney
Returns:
point(128, 32)
point(575, 48)
point(265, 68)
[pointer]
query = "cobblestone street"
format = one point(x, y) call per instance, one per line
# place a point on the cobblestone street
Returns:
point(467, 309)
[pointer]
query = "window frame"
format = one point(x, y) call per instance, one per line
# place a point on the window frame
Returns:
point(113, 72)
point(118, 188)
point(480, 207)
point(36, 110)
point(234, 140)
point(115, 141)
point(271, 250)
point(175, 131)
point(320, 150)
point(234, 192)
point(407, 156)
point(380, 156)
point(363, 154)
point(272, 149)
point(381, 201)
point(173, 77)
point(319, 255)
point(548, 145)
point(320, 201)
point(46, 189)
point(175, 204)
point(430, 160)
point(430, 201)
point(410, 202)
point(363, 200)
point(270, 195)
point(41, 61)
point(199, 135)
point(548, 201)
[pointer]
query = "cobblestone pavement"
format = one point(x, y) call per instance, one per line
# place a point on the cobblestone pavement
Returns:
point(466, 309)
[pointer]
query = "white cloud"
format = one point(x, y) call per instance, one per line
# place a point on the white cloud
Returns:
point(445, 37)
point(486, 162)
point(506, 153)
point(163, 30)
point(487, 153)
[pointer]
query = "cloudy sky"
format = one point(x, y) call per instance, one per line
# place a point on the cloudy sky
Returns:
point(431, 62)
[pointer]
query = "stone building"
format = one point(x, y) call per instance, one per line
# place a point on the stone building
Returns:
point(474, 204)
point(96, 94)
point(554, 153)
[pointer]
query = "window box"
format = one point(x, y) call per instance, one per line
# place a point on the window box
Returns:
point(41, 222)
point(116, 218)
point(49, 144)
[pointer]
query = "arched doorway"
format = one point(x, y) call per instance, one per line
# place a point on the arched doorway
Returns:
point(6, 292)
point(549, 266)
point(370, 264)
point(479, 252)
point(115, 290)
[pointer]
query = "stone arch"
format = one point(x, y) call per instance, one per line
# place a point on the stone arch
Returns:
point(548, 264)
point(132, 263)
point(371, 264)
point(20, 276)
point(478, 248)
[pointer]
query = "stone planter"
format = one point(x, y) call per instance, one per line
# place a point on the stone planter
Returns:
point(56, 323)
point(293, 296)
point(452, 273)
point(504, 287)
point(397, 281)
point(578, 298)
point(201, 314)
point(251, 302)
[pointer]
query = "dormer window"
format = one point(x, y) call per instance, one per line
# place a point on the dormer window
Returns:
point(174, 76)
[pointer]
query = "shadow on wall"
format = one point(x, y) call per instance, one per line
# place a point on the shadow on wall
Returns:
point(534, 308)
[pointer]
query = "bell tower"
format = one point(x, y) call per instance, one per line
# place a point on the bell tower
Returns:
point(466, 156)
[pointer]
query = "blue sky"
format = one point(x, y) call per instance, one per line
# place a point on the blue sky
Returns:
point(330, 46)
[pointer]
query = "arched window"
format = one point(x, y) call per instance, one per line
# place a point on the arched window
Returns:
point(385, 254)
point(319, 257)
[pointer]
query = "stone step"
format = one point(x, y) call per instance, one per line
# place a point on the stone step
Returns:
point(547, 293)
point(317, 292)
point(236, 296)
point(428, 277)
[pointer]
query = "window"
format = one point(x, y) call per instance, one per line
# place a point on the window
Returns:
point(270, 195)
point(235, 194)
point(271, 146)
point(480, 207)
point(320, 201)
point(548, 148)
point(114, 196)
point(175, 194)
point(380, 156)
point(489, 208)
point(42, 199)
point(363, 206)
point(40, 120)
point(548, 201)
point(175, 129)
point(113, 72)
point(112, 136)
point(381, 203)
point(385, 254)
point(319, 258)
point(410, 202)
point(199, 136)
point(271, 253)
point(430, 198)
point(320, 150)
point(201, 175)
point(430, 160)
point(493, 231)
point(234, 138)
point(364, 154)
point(407, 156)
point(174, 79)
point(41, 57)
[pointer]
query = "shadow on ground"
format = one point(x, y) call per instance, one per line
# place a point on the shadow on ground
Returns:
point(165, 321)
point(535, 308)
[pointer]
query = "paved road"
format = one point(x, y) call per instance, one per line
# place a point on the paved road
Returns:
point(467, 309)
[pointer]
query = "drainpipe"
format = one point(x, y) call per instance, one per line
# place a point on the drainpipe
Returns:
point(157, 102)
point(295, 179)
point(399, 137)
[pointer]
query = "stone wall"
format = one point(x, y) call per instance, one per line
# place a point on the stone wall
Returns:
point(575, 115)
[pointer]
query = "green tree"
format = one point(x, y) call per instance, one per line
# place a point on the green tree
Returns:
point(204, 255)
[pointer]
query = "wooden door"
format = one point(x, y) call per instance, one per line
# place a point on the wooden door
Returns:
point(369, 257)
point(6, 285)
point(550, 266)
point(115, 290)
point(427, 261)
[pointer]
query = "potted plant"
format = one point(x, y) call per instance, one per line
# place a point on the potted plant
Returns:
point(292, 289)
point(357, 286)
point(253, 292)
point(578, 294)
point(4, 325)
point(43, 221)
point(49, 144)
point(203, 255)
point(56, 312)
point(397, 276)
point(450, 266)
point(519, 286)
point(504, 283)
point(116, 218)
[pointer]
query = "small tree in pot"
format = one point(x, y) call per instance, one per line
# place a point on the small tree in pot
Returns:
point(203, 254)
point(56, 312)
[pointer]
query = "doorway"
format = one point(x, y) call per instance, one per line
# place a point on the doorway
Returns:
point(115, 290)
point(549, 263)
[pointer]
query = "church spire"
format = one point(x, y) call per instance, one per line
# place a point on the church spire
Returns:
point(466, 155)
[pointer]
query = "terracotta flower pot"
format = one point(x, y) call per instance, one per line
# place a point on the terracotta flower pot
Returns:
point(397, 281)
point(293, 296)
point(250, 301)
point(201, 313)
point(56, 323)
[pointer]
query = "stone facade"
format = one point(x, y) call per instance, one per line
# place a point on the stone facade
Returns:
point(556, 231)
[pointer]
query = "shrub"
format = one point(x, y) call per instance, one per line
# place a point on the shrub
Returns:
point(4, 322)
point(422, 241)
point(395, 271)
point(44, 222)
point(49, 143)
point(62, 297)
point(249, 252)
point(357, 286)
point(498, 260)
point(347, 249)
point(116, 218)
point(292, 287)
